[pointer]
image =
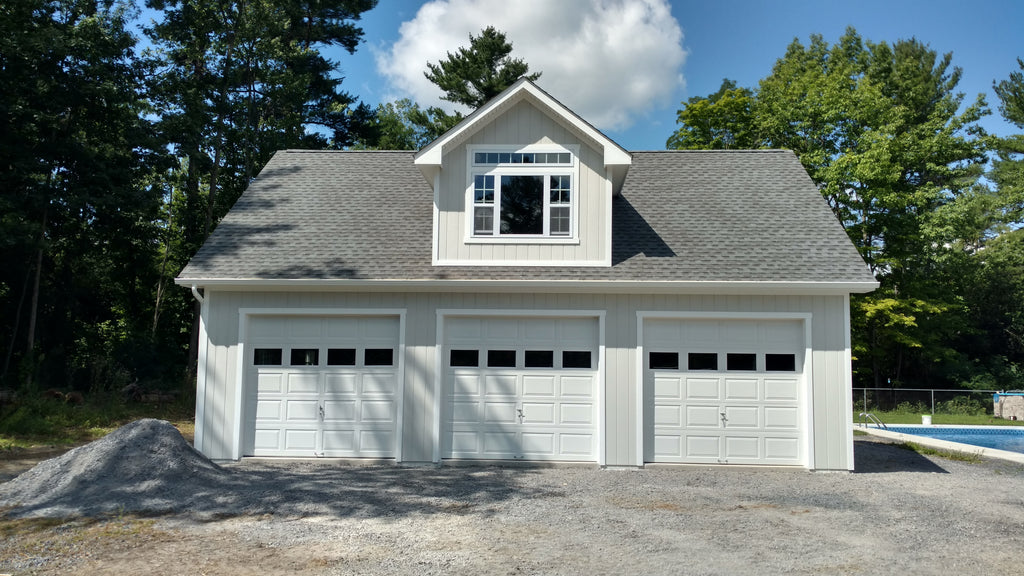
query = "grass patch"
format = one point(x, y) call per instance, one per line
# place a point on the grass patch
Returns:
point(969, 457)
point(48, 540)
point(40, 422)
point(859, 433)
point(961, 419)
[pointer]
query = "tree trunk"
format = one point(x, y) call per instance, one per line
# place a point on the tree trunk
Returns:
point(34, 307)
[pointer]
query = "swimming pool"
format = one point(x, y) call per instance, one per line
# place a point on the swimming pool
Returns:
point(997, 437)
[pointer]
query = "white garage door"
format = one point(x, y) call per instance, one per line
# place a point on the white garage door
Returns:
point(724, 391)
point(521, 388)
point(322, 386)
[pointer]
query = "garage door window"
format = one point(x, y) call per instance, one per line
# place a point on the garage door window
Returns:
point(664, 360)
point(341, 356)
point(464, 358)
point(501, 358)
point(305, 357)
point(576, 359)
point(780, 362)
point(702, 361)
point(379, 357)
point(741, 362)
point(540, 359)
point(266, 357)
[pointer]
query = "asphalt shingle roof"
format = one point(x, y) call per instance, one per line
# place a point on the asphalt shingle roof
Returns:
point(681, 216)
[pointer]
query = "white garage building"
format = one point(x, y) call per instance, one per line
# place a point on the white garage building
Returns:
point(524, 289)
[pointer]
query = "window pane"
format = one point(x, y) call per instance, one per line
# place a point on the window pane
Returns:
point(341, 356)
point(702, 361)
point(528, 158)
point(266, 357)
point(540, 359)
point(483, 189)
point(560, 189)
point(479, 158)
point(741, 362)
point(560, 221)
point(780, 362)
point(517, 158)
point(505, 158)
point(563, 158)
point(305, 357)
point(483, 220)
point(492, 158)
point(501, 358)
point(522, 204)
point(664, 360)
point(576, 359)
point(378, 357)
point(464, 358)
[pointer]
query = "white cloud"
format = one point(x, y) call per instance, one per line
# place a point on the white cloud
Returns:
point(607, 60)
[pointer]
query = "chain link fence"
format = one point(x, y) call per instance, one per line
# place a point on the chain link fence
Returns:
point(923, 400)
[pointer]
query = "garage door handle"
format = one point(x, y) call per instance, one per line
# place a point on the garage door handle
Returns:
point(521, 415)
point(724, 419)
point(321, 409)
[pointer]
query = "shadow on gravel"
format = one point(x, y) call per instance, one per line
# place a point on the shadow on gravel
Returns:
point(877, 457)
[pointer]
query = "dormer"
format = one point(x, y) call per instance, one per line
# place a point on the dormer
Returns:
point(523, 181)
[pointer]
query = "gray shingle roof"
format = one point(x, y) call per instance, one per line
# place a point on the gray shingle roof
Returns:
point(728, 216)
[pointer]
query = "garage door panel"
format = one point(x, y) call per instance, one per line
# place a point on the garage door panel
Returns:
point(742, 448)
point(576, 444)
point(536, 444)
point(784, 390)
point(541, 331)
point(465, 412)
point(270, 382)
point(578, 414)
point(301, 410)
point(500, 412)
point(465, 442)
point(742, 417)
point(702, 389)
point(781, 448)
point(302, 383)
point(538, 413)
point(336, 441)
point(702, 416)
point(500, 443)
point(741, 389)
point(269, 410)
point(337, 384)
point(339, 411)
point(501, 385)
point(373, 442)
point(577, 386)
point(668, 447)
point(272, 439)
point(465, 384)
point(538, 386)
point(300, 440)
point(703, 447)
point(776, 417)
point(668, 388)
point(668, 415)
point(385, 383)
point(377, 411)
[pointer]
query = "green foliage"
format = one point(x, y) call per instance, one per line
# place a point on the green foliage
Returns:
point(41, 420)
point(965, 406)
point(959, 455)
point(475, 74)
point(721, 121)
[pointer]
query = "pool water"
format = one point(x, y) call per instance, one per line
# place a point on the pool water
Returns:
point(1000, 438)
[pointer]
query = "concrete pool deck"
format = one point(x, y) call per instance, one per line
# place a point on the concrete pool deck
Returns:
point(943, 444)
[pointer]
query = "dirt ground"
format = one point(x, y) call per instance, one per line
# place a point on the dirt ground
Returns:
point(900, 513)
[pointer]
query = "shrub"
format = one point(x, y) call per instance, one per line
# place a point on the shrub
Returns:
point(911, 408)
point(964, 406)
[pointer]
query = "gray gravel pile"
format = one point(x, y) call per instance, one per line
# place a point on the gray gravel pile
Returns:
point(145, 466)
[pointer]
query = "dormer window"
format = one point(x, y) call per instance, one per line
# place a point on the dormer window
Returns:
point(523, 194)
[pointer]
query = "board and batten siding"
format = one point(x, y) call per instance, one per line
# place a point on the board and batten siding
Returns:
point(524, 125)
point(831, 425)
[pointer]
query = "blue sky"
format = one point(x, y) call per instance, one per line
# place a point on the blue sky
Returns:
point(650, 60)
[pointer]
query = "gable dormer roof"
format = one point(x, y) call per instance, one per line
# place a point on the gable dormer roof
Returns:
point(616, 158)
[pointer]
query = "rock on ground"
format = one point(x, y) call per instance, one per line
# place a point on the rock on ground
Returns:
point(143, 466)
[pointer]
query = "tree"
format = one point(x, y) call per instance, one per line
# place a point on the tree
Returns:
point(399, 125)
point(77, 210)
point(721, 121)
point(1008, 167)
point(236, 82)
point(474, 75)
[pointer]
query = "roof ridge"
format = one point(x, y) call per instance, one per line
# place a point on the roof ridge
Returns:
point(738, 151)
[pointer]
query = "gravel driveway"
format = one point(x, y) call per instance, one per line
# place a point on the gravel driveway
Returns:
point(899, 513)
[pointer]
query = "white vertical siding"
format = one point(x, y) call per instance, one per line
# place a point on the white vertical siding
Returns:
point(523, 125)
point(830, 359)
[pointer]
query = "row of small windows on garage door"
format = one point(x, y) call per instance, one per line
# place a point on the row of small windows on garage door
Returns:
point(334, 357)
point(715, 361)
point(470, 358)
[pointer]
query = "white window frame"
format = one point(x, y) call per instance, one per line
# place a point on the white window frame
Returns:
point(545, 170)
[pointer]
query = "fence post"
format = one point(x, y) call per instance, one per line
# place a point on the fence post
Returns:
point(933, 402)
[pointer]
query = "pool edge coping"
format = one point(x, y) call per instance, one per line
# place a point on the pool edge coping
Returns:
point(945, 444)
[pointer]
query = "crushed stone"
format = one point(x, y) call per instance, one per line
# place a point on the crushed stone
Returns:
point(144, 466)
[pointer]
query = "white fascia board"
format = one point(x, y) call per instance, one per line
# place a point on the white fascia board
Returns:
point(563, 286)
point(432, 154)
